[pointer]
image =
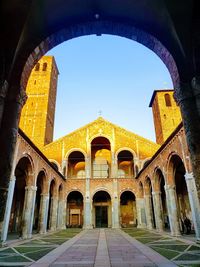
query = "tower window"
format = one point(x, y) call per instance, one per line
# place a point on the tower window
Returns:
point(37, 67)
point(168, 100)
point(44, 68)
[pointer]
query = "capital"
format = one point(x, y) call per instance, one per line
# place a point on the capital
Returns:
point(189, 176)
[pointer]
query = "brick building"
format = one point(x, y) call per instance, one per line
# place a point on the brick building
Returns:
point(100, 175)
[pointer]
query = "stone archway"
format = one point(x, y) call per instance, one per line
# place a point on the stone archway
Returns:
point(102, 210)
point(20, 217)
point(75, 209)
point(128, 214)
point(178, 191)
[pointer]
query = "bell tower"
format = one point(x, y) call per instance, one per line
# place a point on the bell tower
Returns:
point(166, 114)
point(37, 118)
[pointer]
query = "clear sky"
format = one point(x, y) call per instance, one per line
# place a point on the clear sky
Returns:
point(111, 74)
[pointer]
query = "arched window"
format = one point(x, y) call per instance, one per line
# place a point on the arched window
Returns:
point(37, 67)
point(168, 100)
point(44, 68)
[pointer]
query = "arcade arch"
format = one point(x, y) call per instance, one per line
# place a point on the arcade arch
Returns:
point(75, 209)
point(76, 165)
point(125, 162)
point(101, 157)
point(102, 210)
point(128, 215)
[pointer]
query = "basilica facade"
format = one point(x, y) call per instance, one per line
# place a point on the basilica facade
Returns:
point(100, 175)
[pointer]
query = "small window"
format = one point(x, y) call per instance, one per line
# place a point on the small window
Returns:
point(44, 68)
point(168, 100)
point(37, 67)
point(35, 82)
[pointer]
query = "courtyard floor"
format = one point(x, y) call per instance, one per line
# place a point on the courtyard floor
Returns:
point(102, 248)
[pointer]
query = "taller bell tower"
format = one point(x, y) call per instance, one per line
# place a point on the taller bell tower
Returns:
point(166, 114)
point(37, 118)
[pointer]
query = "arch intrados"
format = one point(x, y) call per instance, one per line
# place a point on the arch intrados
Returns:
point(125, 149)
point(103, 27)
point(127, 190)
point(75, 150)
point(30, 163)
point(100, 137)
point(173, 159)
point(101, 190)
point(73, 191)
point(157, 179)
point(44, 180)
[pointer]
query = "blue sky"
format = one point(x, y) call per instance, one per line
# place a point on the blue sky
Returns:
point(111, 74)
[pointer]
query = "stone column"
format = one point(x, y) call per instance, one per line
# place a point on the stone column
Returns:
point(63, 214)
point(187, 96)
point(141, 216)
point(28, 211)
point(53, 213)
point(43, 213)
point(4, 231)
point(194, 202)
point(171, 199)
point(65, 167)
point(158, 210)
point(115, 205)
point(88, 202)
point(148, 211)
point(8, 138)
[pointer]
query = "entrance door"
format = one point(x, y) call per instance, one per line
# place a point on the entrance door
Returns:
point(101, 216)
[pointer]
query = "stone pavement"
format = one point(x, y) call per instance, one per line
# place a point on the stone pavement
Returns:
point(103, 248)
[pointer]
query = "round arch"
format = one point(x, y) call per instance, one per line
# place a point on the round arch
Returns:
point(56, 164)
point(74, 150)
point(75, 208)
point(128, 214)
point(127, 149)
point(101, 189)
point(169, 166)
point(73, 190)
point(98, 136)
point(99, 27)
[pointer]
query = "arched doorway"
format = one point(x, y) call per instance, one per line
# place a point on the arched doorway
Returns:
point(52, 194)
point(125, 164)
point(128, 215)
point(102, 210)
point(23, 174)
point(101, 157)
point(149, 207)
point(76, 165)
point(41, 179)
point(160, 203)
point(177, 179)
point(75, 209)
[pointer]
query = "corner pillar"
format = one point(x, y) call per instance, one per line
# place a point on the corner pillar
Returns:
point(158, 210)
point(28, 211)
point(115, 205)
point(171, 199)
point(141, 216)
point(8, 139)
point(194, 202)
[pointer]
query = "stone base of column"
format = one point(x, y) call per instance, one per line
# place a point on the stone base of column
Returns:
point(88, 227)
point(142, 226)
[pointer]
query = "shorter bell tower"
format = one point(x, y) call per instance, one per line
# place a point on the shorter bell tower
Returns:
point(166, 114)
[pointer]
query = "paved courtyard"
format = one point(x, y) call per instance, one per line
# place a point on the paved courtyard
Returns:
point(102, 248)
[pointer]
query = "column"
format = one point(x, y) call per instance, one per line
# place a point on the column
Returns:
point(158, 210)
point(53, 213)
point(4, 231)
point(63, 214)
point(43, 213)
point(8, 138)
point(28, 211)
point(65, 167)
point(187, 96)
point(141, 216)
point(88, 201)
point(171, 199)
point(114, 167)
point(148, 211)
point(115, 205)
point(194, 202)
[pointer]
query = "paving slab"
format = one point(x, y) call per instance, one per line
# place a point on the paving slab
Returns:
point(103, 248)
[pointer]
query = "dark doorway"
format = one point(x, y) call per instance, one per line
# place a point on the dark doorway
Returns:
point(101, 213)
